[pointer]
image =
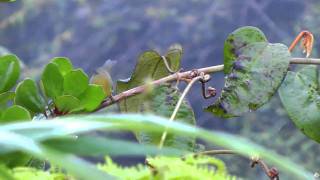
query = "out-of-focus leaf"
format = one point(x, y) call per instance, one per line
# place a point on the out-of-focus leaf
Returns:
point(15, 113)
point(255, 76)
point(100, 146)
point(52, 81)
point(237, 39)
point(28, 96)
point(103, 81)
point(64, 64)
point(75, 83)
point(92, 97)
point(5, 97)
point(10, 141)
point(5, 172)
point(7, 0)
point(103, 78)
point(300, 96)
point(33, 173)
point(9, 72)
point(67, 103)
point(40, 130)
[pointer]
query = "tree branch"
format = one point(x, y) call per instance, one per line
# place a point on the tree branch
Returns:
point(184, 75)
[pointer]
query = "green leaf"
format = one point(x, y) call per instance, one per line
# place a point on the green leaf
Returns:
point(9, 72)
point(28, 96)
point(7, 0)
point(237, 39)
point(52, 81)
point(100, 146)
point(67, 103)
point(149, 66)
point(10, 141)
point(15, 113)
point(75, 82)
point(256, 75)
point(5, 172)
point(300, 95)
point(6, 97)
point(174, 55)
point(92, 97)
point(64, 64)
point(162, 100)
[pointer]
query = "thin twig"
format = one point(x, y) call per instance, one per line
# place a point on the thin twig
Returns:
point(215, 152)
point(181, 76)
point(272, 172)
point(176, 109)
point(305, 61)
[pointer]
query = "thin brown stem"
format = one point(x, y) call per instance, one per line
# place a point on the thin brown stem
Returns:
point(219, 151)
point(305, 61)
point(184, 76)
point(272, 172)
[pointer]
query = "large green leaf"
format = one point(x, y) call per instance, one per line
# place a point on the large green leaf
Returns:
point(28, 96)
point(9, 72)
point(151, 66)
point(64, 64)
point(15, 113)
point(67, 103)
point(92, 97)
point(100, 146)
point(162, 100)
point(300, 95)
point(237, 39)
point(75, 82)
point(52, 81)
point(256, 75)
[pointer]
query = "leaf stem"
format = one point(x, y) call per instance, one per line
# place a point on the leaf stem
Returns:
point(177, 107)
point(272, 172)
point(305, 61)
point(184, 75)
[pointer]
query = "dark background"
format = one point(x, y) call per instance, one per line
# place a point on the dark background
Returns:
point(91, 31)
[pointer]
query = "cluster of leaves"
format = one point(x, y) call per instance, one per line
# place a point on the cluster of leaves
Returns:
point(69, 88)
point(160, 167)
point(66, 90)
